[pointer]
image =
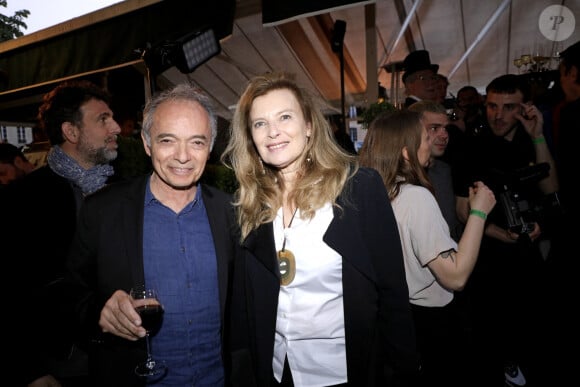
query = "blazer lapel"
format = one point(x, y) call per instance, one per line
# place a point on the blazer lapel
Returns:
point(219, 230)
point(260, 243)
point(349, 244)
point(133, 216)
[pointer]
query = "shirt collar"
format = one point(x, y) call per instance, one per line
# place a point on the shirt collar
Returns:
point(149, 198)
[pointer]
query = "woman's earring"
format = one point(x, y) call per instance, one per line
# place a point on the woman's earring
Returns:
point(262, 166)
point(309, 158)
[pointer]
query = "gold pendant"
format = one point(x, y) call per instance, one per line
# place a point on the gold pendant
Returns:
point(287, 266)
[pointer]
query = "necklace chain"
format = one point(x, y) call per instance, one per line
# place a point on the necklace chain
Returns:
point(289, 225)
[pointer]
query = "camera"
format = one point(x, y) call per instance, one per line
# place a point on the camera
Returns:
point(517, 211)
point(522, 208)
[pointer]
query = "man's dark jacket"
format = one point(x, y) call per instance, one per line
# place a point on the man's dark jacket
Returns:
point(107, 255)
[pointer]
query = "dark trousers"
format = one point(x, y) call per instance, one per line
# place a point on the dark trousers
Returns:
point(439, 333)
point(506, 291)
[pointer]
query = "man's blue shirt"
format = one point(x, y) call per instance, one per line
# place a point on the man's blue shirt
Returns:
point(180, 262)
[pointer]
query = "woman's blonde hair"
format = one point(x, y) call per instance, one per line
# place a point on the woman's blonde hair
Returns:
point(382, 150)
point(325, 167)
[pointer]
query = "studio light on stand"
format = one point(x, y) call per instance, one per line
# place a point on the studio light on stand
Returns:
point(186, 54)
point(338, 47)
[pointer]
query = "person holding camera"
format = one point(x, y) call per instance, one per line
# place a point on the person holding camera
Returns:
point(505, 286)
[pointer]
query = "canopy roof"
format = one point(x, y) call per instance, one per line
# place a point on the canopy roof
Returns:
point(472, 41)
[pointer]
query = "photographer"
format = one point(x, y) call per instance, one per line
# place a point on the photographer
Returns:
point(505, 287)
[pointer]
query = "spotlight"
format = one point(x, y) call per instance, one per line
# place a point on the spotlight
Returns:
point(196, 49)
point(186, 53)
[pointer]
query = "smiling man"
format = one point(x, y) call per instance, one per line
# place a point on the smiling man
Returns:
point(165, 230)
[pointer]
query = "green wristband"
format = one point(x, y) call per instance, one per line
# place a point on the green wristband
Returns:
point(478, 213)
point(539, 140)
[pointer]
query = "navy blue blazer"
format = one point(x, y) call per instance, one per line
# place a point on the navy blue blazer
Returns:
point(380, 336)
point(106, 255)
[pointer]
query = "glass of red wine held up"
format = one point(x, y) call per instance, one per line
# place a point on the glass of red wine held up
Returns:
point(150, 310)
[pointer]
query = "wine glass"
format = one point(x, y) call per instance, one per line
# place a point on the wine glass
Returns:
point(538, 57)
point(526, 60)
point(557, 49)
point(150, 310)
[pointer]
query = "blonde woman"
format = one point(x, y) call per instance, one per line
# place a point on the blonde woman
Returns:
point(322, 282)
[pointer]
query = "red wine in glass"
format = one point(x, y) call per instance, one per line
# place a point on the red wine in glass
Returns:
point(151, 317)
point(150, 310)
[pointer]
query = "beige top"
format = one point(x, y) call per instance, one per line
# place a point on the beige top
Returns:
point(424, 235)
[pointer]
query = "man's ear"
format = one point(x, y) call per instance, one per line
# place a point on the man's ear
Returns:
point(70, 132)
point(145, 146)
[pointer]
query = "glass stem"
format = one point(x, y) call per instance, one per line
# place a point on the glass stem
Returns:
point(148, 344)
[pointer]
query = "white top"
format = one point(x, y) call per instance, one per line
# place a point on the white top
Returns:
point(424, 235)
point(310, 323)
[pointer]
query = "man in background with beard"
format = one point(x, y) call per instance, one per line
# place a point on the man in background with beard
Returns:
point(39, 221)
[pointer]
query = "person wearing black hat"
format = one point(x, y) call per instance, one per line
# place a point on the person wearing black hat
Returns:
point(420, 77)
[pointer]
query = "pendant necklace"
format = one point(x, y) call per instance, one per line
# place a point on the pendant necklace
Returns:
point(286, 260)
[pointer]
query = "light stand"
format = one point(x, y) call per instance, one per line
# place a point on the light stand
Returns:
point(338, 47)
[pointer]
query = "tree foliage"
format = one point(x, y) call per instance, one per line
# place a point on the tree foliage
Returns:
point(11, 26)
